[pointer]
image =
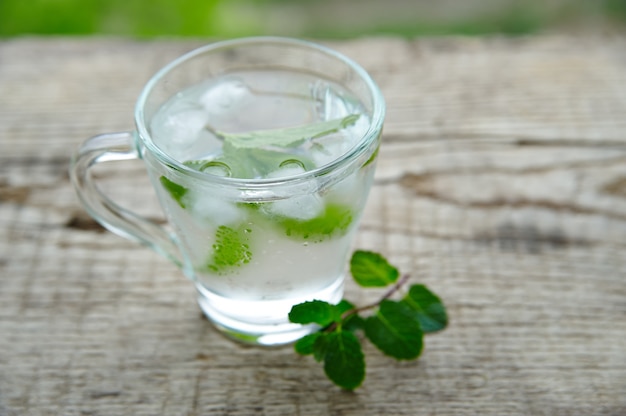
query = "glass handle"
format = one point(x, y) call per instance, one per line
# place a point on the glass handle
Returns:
point(108, 148)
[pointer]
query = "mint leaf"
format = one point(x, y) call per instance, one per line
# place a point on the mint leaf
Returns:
point(370, 269)
point(319, 346)
point(372, 157)
point(429, 310)
point(344, 363)
point(286, 137)
point(354, 322)
point(176, 191)
point(305, 345)
point(334, 220)
point(250, 162)
point(395, 330)
point(314, 312)
point(256, 154)
point(230, 250)
point(344, 306)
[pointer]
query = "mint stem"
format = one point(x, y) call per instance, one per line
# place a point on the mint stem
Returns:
point(401, 281)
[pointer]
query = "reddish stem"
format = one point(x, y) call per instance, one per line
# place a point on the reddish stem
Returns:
point(401, 281)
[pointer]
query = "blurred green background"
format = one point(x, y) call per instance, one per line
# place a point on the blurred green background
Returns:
point(307, 18)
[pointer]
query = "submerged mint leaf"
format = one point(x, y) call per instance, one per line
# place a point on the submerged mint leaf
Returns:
point(370, 269)
point(176, 191)
point(249, 162)
point(395, 330)
point(372, 157)
point(314, 312)
point(230, 250)
point(286, 137)
point(344, 363)
point(334, 220)
point(429, 310)
point(257, 154)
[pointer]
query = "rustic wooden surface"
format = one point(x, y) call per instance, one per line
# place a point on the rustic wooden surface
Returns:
point(501, 185)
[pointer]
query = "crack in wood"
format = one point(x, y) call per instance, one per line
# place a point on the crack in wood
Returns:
point(422, 185)
point(502, 140)
point(14, 194)
point(528, 238)
point(82, 221)
point(616, 187)
point(104, 394)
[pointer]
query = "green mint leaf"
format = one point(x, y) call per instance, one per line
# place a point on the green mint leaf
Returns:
point(370, 269)
point(230, 250)
point(319, 346)
point(305, 345)
point(395, 330)
point(353, 323)
point(286, 137)
point(257, 154)
point(344, 363)
point(429, 310)
point(245, 338)
point(176, 191)
point(314, 312)
point(334, 220)
point(344, 306)
point(372, 157)
point(250, 162)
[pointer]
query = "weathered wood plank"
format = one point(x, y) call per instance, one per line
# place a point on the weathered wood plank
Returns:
point(501, 184)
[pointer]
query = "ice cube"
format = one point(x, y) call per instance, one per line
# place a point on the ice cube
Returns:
point(304, 206)
point(177, 131)
point(301, 207)
point(225, 96)
point(215, 210)
point(329, 104)
point(330, 148)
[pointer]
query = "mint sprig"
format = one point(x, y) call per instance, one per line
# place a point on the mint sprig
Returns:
point(395, 327)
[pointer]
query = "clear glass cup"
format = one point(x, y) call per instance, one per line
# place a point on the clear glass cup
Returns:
point(253, 245)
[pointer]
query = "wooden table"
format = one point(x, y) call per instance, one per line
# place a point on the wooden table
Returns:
point(501, 185)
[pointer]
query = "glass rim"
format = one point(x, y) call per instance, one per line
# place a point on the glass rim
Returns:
point(373, 131)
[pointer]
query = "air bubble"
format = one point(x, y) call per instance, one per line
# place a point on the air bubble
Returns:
point(216, 168)
point(292, 163)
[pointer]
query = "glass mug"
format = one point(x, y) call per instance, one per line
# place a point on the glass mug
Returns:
point(261, 152)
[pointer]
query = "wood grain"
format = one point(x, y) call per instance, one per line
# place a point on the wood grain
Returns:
point(501, 184)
